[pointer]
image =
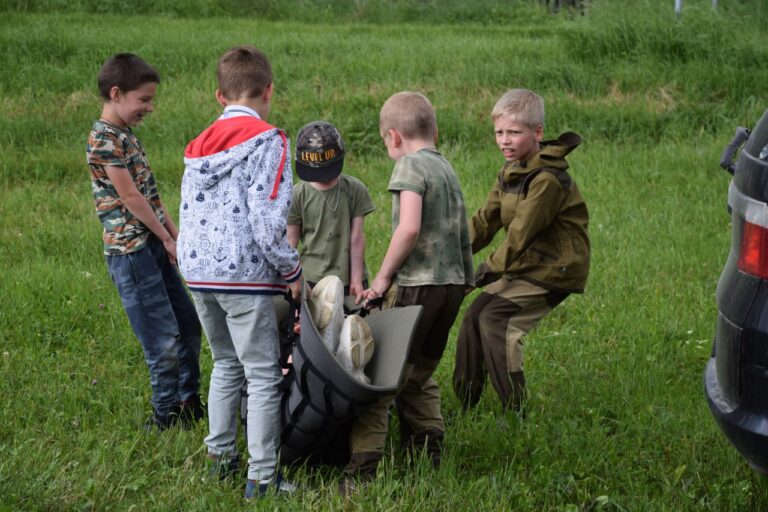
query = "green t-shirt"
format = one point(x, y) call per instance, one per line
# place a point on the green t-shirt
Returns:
point(326, 217)
point(443, 254)
point(110, 145)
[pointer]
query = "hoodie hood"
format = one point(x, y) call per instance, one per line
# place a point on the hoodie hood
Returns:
point(551, 155)
point(213, 154)
point(234, 209)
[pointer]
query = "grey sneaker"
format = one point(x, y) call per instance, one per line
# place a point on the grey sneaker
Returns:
point(223, 466)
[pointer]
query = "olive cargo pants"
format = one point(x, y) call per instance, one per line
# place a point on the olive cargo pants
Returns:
point(491, 339)
point(418, 399)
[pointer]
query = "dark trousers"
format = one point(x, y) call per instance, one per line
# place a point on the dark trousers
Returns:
point(418, 399)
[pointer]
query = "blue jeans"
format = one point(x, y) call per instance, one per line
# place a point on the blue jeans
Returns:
point(163, 319)
point(242, 333)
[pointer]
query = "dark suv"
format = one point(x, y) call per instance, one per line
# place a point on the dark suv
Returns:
point(736, 378)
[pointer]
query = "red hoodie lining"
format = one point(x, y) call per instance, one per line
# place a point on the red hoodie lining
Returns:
point(228, 133)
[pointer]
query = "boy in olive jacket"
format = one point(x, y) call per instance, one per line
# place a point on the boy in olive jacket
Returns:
point(544, 257)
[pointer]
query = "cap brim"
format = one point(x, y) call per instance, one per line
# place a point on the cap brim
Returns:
point(324, 173)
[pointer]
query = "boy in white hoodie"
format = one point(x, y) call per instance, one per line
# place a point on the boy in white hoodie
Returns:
point(234, 254)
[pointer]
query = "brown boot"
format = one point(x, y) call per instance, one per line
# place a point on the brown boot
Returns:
point(359, 472)
point(468, 395)
point(431, 442)
point(516, 397)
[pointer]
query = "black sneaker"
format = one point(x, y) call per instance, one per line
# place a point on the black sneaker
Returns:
point(192, 410)
point(161, 422)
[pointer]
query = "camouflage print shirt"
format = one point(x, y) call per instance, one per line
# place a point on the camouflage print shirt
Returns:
point(110, 145)
point(443, 254)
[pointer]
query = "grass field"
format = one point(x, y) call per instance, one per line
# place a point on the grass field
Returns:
point(617, 418)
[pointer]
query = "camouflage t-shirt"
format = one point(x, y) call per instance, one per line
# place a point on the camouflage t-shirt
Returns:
point(111, 145)
point(442, 254)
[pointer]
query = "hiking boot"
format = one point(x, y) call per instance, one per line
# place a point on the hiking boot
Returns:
point(354, 483)
point(516, 399)
point(428, 443)
point(223, 466)
point(326, 305)
point(355, 347)
point(359, 472)
point(192, 410)
point(161, 422)
point(260, 488)
point(350, 486)
point(469, 396)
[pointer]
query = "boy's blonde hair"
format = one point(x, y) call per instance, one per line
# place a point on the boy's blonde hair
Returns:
point(243, 72)
point(411, 114)
point(524, 106)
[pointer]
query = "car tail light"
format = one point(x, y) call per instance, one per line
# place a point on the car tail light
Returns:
point(752, 216)
point(753, 256)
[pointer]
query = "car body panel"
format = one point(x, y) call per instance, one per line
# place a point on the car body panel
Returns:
point(736, 376)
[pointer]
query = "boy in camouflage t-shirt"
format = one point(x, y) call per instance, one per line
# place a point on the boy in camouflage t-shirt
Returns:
point(428, 263)
point(140, 242)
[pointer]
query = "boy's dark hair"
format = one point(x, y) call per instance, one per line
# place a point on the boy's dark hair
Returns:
point(243, 71)
point(125, 71)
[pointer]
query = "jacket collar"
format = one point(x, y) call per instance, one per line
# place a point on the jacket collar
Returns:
point(551, 154)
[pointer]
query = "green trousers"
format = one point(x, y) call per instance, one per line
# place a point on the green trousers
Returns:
point(491, 339)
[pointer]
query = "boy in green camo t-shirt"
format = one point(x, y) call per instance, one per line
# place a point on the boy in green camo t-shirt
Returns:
point(428, 263)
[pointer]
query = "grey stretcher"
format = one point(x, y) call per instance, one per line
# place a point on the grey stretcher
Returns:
point(320, 399)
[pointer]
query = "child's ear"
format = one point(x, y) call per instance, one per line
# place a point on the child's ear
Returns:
point(397, 140)
point(220, 98)
point(114, 93)
point(539, 133)
point(267, 94)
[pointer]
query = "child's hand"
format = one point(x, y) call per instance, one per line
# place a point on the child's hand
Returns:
point(365, 296)
point(170, 248)
point(378, 288)
point(295, 289)
point(356, 290)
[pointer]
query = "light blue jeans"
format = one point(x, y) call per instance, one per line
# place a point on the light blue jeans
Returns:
point(242, 334)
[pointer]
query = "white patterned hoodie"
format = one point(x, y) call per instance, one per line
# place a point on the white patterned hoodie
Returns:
point(235, 196)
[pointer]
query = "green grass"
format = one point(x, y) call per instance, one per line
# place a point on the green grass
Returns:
point(617, 418)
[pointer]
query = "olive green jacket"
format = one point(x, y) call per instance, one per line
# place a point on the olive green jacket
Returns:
point(546, 219)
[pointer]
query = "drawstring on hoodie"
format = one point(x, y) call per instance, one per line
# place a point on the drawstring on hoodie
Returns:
point(280, 168)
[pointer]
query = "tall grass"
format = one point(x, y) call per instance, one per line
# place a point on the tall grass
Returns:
point(617, 419)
